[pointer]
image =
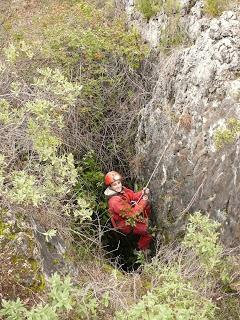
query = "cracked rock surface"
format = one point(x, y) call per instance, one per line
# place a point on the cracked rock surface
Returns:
point(202, 83)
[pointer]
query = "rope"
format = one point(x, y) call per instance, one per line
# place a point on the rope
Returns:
point(192, 200)
point(164, 151)
point(182, 213)
point(156, 167)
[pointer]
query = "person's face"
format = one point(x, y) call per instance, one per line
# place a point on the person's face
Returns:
point(117, 186)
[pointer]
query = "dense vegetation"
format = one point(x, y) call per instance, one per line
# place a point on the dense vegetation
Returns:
point(73, 78)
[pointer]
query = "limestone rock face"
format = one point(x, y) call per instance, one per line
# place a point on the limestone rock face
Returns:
point(20, 268)
point(190, 13)
point(200, 169)
point(27, 260)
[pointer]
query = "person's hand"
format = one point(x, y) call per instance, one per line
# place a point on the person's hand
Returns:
point(146, 191)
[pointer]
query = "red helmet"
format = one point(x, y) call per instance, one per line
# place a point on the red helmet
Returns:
point(112, 176)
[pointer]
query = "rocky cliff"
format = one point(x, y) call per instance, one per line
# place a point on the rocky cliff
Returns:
point(198, 90)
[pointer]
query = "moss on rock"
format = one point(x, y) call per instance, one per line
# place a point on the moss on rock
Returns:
point(18, 260)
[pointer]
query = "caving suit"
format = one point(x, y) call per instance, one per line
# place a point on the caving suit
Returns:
point(128, 216)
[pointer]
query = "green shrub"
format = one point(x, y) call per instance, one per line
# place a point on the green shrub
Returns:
point(214, 7)
point(171, 6)
point(63, 301)
point(202, 237)
point(227, 135)
point(173, 298)
point(223, 137)
point(88, 43)
point(181, 279)
point(148, 8)
point(42, 175)
point(72, 36)
point(173, 35)
point(59, 299)
point(90, 184)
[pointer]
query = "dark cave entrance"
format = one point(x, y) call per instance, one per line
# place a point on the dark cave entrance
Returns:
point(121, 250)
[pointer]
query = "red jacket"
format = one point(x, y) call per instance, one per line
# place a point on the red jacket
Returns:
point(120, 208)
